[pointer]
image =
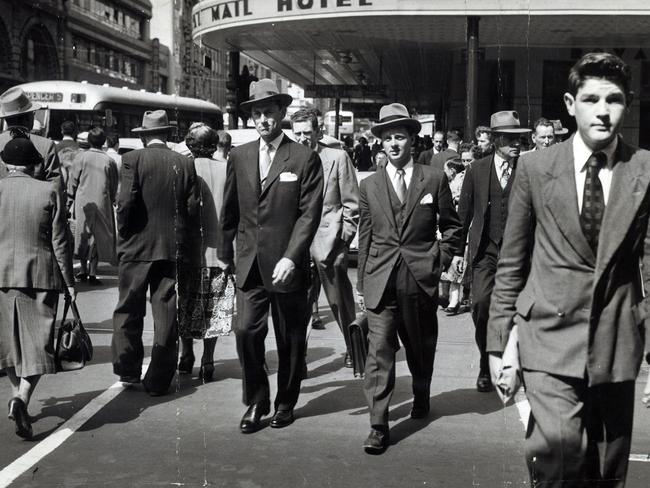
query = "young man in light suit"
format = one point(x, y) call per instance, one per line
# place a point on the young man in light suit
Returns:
point(400, 261)
point(272, 205)
point(572, 275)
point(338, 224)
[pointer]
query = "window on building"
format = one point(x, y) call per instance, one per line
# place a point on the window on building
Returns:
point(207, 62)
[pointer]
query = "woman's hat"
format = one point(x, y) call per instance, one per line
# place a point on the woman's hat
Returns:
point(15, 102)
point(265, 90)
point(154, 121)
point(395, 115)
point(20, 152)
point(507, 121)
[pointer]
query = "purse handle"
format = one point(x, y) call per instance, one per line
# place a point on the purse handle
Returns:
point(70, 305)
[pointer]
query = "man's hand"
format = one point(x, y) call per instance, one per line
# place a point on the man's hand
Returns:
point(283, 271)
point(72, 293)
point(227, 265)
point(645, 399)
point(495, 367)
point(457, 264)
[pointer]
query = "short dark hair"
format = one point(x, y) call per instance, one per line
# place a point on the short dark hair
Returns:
point(482, 129)
point(202, 141)
point(96, 137)
point(225, 141)
point(600, 65)
point(306, 115)
point(112, 140)
point(542, 121)
point(68, 128)
point(453, 136)
point(467, 147)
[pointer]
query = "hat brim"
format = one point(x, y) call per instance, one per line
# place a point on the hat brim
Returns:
point(561, 132)
point(412, 125)
point(33, 108)
point(283, 98)
point(152, 130)
point(523, 130)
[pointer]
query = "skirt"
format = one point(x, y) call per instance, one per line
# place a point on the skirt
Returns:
point(27, 319)
point(206, 302)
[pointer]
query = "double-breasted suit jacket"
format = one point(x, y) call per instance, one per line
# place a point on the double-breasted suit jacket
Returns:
point(382, 240)
point(579, 314)
point(277, 221)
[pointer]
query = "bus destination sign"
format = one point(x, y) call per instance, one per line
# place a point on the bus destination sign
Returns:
point(46, 97)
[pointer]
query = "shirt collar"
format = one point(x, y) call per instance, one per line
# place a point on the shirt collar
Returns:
point(67, 138)
point(275, 142)
point(581, 152)
point(392, 170)
point(499, 160)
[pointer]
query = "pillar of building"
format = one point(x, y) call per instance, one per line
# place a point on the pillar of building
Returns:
point(232, 85)
point(471, 82)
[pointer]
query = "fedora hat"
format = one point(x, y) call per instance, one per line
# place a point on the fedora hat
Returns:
point(557, 127)
point(153, 121)
point(395, 115)
point(21, 152)
point(15, 102)
point(265, 90)
point(507, 121)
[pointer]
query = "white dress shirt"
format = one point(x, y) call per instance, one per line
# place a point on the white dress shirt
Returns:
point(392, 174)
point(498, 166)
point(581, 154)
point(275, 143)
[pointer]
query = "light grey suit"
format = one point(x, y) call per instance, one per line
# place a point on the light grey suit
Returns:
point(338, 226)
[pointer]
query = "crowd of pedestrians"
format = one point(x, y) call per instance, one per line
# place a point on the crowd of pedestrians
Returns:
point(548, 247)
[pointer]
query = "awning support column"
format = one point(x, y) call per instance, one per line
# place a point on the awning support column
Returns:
point(471, 86)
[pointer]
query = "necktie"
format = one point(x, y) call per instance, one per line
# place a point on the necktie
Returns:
point(505, 174)
point(265, 163)
point(593, 200)
point(400, 187)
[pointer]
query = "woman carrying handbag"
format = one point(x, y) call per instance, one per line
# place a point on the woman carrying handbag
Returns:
point(35, 245)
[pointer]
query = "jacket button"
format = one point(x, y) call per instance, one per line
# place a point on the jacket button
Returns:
point(560, 314)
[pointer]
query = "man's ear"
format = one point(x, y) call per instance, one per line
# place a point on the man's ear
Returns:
point(570, 101)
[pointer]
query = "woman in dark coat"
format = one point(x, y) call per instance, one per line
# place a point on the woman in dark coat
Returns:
point(35, 265)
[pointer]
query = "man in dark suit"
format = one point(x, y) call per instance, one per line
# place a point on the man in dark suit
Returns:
point(572, 276)
point(400, 261)
point(272, 206)
point(156, 214)
point(483, 210)
point(438, 160)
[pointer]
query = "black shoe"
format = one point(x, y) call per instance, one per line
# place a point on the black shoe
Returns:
point(450, 311)
point(206, 372)
point(420, 408)
point(484, 384)
point(250, 422)
point(154, 393)
point(18, 413)
point(443, 302)
point(282, 418)
point(81, 277)
point(92, 280)
point(317, 323)
point(347, 361)
point(186, 364)
point(377, 441)
point(129, 380)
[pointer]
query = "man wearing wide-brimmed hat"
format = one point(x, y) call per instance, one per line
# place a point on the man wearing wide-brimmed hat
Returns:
point(18, 110)
point(157, 206)
point(400, 261)
point(484, 204)
point(272, 206)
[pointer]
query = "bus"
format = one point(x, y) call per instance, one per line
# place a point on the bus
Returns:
point(346, 123)
point(117, 110)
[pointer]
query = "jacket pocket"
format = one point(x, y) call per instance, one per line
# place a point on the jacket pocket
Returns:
point(374, 252)
point(524, 305)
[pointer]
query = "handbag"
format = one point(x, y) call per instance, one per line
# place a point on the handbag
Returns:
point(73, 345)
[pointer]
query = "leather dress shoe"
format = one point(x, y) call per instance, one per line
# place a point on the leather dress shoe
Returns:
point(420, 409)
point(484, 384)
point(250, 422)
point(282, 418)
point(347, 361)
point(18, 413)
point(129, 380)
point(378, 439)
point(317, 323)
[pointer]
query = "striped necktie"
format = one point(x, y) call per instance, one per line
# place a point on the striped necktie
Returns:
point(593, 200)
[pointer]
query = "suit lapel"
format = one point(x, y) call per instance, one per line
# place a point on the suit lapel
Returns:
point(628, 189)
point(250, 163)
point(381, 193)
point(328, 164)
point(279, 164)
point(485, 172)
point(413, 193)
point(561, 199)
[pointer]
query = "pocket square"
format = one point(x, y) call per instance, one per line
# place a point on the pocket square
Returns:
point(287, 176)
point(427, 199)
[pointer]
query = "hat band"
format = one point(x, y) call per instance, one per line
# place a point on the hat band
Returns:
point(390, 118)
point(265, 94)
point(500, 127)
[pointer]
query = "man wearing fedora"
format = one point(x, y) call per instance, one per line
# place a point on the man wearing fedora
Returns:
point(483, 210)
point(17, 110)
point(400, 261)
point(157, 206)
point(272, 206)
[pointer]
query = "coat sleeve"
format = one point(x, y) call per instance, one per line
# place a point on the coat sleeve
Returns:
point(310, 208)
point(365, 234)
point(61, 236)
point(514, 260)
point(349, 191)
point(129, 195)
point(52, 164)
point(73, 178)
point(449, 225)
point(112, 177)
point(466, 207)
point(229, 218)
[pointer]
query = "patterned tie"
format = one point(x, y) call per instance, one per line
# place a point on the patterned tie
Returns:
point(400, 187)
point(265, 163)
point(593, 200)
point(505, 174)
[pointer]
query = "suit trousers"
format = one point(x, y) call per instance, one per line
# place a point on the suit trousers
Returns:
point(573, 427)
point(333, 276)
point(404, 311)
point(483, 272)
point(290, 313)
point(134, 277)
